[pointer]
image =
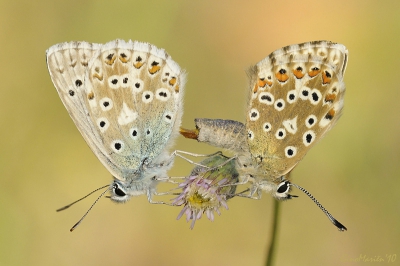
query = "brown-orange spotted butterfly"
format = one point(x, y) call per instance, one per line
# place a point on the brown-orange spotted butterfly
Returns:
point(295, 96)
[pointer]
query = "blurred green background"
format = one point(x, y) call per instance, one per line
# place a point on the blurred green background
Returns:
point(45, 163)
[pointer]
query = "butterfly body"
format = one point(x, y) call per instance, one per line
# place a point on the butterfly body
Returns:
point(126, 100)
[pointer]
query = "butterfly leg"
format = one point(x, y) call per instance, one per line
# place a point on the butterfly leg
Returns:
point(171, 179)
point(178, 153)
point(151, 193)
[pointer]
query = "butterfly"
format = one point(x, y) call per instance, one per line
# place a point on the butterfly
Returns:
point(295, 97)
point(125, 98)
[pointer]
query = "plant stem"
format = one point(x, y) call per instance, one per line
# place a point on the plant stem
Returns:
point(272, 245)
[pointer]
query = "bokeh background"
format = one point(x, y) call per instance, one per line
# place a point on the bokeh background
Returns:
point(45, 163)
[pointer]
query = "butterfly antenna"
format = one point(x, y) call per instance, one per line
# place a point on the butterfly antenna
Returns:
point(335, 222)
point(69, 205)
point(83, 217)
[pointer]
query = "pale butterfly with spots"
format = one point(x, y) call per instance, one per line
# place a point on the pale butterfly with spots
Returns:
point(126, 100)
point(295, 96)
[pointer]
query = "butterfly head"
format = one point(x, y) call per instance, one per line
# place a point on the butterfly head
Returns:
point(282, 191)
point(122, 191)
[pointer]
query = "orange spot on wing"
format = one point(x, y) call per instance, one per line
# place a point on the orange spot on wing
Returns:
point(172, 81)
point(326, 78)
point(110, 61)
point(176, 88)
point(138, 65)
point(261, 82)
point(313, 72)
point(99, 77)
point(330, 97)
point(154, 69)
point(90, 95)
point(255, 89)
point(330, 114)
point(123, 59)
point(281, 76)
point(298, 73)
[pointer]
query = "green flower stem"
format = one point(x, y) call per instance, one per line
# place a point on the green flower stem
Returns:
point(271, 250)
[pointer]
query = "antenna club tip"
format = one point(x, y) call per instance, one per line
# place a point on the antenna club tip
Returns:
point(339, 226)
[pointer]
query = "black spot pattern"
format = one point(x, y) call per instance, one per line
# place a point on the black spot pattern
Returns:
point(137, 85)
point(305, 92)
point(291, 96)
point(106, 104)
point(134, 133)
point(78, 83)
point(102, 123)
point(114, 81)
point(117, 146)
point(266, 97)
point(125, 80)
point(315, 96)
point(328, 116)
point(110, 56)
point(71, 92)
point(311, 121)
point(309, 138)
point(328, 75)
point(147, 96)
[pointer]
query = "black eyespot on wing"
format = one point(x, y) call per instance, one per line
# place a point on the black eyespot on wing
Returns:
point(78, 83)
point(117, 146)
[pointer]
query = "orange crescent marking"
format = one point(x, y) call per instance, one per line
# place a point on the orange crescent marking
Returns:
point(110, 61)
point(138, 65)
point(325, 79)
point(172, 81)
point(262, 83)
point(330, 97)
point(154, 69)
point(313, 73)
point(281, 77)
point(90, 95)
point(298, 74)
point(123, 59)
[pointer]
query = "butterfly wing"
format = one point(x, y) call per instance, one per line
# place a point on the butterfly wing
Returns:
point(67, 64)
point(296, 96)
point(130, 108)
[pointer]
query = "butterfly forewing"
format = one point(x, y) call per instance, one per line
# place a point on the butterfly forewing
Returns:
point(128, 106)
point(296, 96)
point(68, 64)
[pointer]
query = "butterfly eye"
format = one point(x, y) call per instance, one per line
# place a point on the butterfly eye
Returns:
point(118, 191)
point(283, 187)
